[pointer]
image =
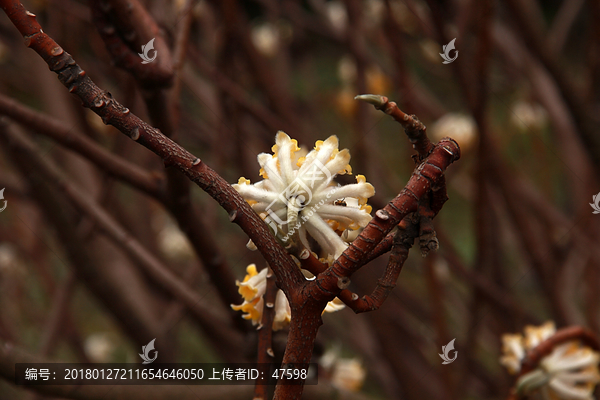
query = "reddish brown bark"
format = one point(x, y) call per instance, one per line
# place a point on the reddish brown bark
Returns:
point(307, 298)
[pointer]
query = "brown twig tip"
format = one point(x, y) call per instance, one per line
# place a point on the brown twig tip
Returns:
point(377, 100)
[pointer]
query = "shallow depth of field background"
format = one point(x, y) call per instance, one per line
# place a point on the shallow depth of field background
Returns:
point(518, 239)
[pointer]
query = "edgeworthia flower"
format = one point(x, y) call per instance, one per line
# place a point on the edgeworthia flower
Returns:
point(569, 372)
point(253, 288)
point(299, 199)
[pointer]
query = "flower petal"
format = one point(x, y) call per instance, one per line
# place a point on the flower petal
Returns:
point(323, 234)
point(345, 215)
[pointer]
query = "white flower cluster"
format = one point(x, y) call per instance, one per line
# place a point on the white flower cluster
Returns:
point(299, 199)
point(253, 289)
point(570, 372)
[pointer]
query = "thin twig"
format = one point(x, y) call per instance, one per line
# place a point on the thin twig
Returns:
point(265, 336)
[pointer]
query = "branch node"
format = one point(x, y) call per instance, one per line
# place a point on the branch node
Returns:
point(57, 51)
point(135, 133)
point(304, 254)
point(234, 213)
point(343, 282)
point(382, 214)
point(196, 162)
point(270, 352)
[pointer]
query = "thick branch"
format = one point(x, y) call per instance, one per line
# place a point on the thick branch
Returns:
point(327, 285)
point(113, 113)
point(403, 241)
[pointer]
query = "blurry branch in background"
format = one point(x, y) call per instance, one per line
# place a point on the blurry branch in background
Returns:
point(114, 165)
point(307, 298)
point(125, 26)
point(534, 245)
point(211, 322)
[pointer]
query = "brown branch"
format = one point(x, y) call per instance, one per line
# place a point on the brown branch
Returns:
point(113, 113)
point(403, 241)
point(148, 182)
point(58, 314)
point(133, 316)
point(237, 93)
point(572, 95)
point(265, 336)
point(435, 295)
point(421, 181)
point(414, 129)
point(309, 302)
point(489, 290)
point(211, 322)
point(125, 26)
point(182, 38)
point(307, 299)
point(263, 72)
point(162, 107)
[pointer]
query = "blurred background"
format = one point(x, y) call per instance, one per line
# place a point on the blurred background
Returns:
point(518, 237)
